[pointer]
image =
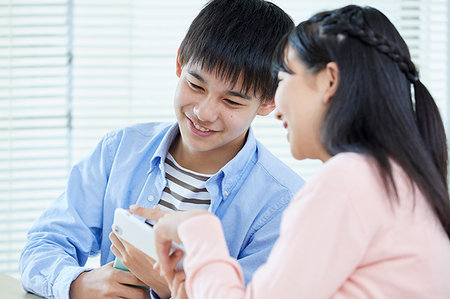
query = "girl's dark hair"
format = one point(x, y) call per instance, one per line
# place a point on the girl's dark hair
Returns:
point(238, 37)
point(373, 110)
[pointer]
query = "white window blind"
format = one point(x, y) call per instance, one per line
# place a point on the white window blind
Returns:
point(72, 70)
point(34, 145)
point(124, 64)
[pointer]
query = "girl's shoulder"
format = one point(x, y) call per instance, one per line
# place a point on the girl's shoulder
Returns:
point(359, 176)
point(350, 167)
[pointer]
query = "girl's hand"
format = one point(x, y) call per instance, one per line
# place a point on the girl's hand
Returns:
point(152, 214)
point(166, 231)
point(177, 286)
point(175, 279)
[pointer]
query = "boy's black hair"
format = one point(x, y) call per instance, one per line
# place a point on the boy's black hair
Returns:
point(237, 37)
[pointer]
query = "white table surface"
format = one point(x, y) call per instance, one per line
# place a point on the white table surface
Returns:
point(11, 288)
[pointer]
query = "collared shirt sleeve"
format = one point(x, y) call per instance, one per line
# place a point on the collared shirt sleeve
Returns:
point(264, 234)
point(69, 230)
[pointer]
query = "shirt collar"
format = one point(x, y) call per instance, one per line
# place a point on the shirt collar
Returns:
point(228, 176)
point(239, 162)
point(160, 154)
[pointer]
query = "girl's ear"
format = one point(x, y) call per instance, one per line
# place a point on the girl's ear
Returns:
point(332, 80)
point(266, 107)
point(178, 67)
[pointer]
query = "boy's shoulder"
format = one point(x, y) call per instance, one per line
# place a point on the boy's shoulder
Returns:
point(276, 168)
point(148, 129)
point(139, 137)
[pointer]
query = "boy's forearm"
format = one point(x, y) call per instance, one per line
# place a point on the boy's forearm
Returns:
point(47, 270)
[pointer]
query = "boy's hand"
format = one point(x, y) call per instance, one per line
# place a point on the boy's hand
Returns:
point(140, 264)
point(166, 231)
point(107, 282)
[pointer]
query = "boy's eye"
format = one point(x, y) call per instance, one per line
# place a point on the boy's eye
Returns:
point(194, 86)
point(233, 103)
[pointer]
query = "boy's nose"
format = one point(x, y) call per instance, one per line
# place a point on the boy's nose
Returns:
point(206, 110)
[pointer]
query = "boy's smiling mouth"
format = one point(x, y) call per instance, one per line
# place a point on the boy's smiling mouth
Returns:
point(199, 129)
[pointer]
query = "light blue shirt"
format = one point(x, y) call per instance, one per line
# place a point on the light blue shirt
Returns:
point(127, 167)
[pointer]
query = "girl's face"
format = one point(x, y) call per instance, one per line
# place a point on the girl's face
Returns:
point(301, 100)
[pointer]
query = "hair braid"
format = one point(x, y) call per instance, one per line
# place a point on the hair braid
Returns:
point(350, 22)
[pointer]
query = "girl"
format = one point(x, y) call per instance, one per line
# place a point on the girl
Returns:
point(375, 220)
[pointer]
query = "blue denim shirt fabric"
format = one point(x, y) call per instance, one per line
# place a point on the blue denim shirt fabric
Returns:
point(127, 167)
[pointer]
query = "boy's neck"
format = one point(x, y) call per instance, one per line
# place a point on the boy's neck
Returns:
point(202, 162)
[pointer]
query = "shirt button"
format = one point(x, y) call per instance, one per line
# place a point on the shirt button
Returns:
point(150, 198)
point(225, 193)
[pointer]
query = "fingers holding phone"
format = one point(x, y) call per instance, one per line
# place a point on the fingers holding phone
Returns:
point(107, 282)
point(137, 259)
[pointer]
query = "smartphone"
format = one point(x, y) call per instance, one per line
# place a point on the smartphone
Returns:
point(140, 234)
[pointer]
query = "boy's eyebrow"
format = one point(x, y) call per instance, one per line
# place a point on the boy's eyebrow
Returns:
point(238, 94)
point(230, 92)
point(199, 78)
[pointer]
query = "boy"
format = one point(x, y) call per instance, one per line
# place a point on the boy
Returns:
point(209, 159)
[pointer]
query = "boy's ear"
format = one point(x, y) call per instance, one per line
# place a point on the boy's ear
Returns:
point(178, 68)
point(266, 107)
point(332, 80)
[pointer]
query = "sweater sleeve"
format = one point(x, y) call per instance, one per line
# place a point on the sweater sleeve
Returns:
point(321, 243)
point(208, 256)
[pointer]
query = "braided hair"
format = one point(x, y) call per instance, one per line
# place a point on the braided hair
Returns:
point(374, 110)
point(350, 21)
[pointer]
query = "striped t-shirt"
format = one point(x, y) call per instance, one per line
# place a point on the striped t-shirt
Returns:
point(185, 189)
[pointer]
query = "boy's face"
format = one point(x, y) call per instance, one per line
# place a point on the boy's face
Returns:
point(213, 116)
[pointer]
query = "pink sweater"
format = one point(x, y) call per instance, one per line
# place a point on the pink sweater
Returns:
point(340, 238)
